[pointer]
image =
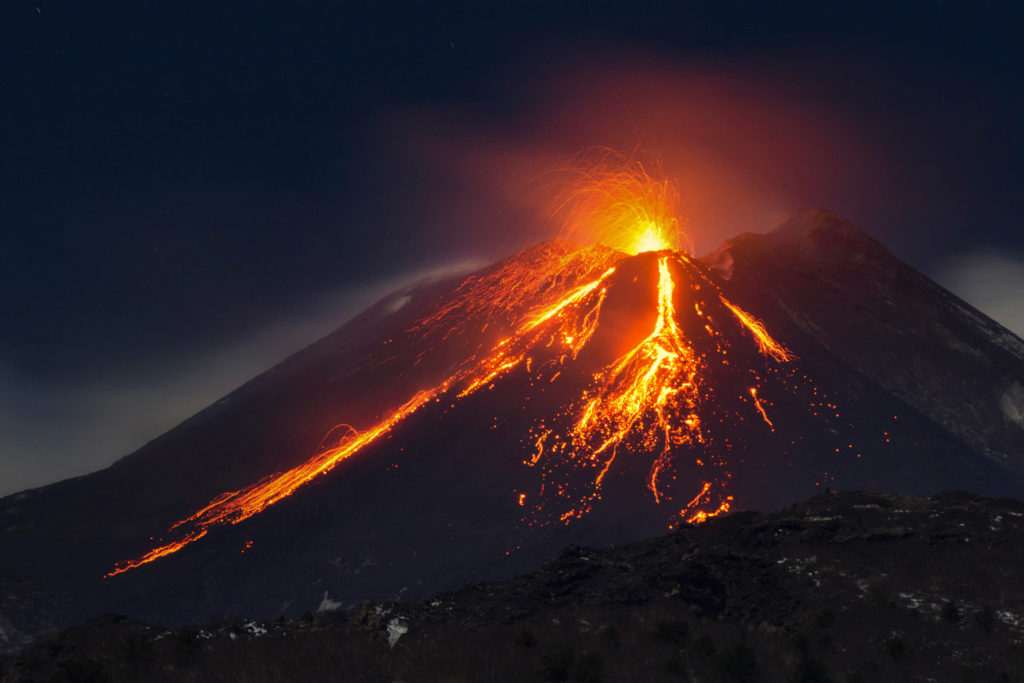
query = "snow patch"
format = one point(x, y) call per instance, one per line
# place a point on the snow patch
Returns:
point(254, 629)
point(328, 605)
point(396, 629)
point(1012, 404)
point(398, 304)
point(913, 601)
point(1010, 619)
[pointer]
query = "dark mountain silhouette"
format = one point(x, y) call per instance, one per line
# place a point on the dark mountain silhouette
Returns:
point(881, 380)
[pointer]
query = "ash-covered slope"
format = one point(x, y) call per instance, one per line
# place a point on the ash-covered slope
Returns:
point(561, 396)
point(890, 322)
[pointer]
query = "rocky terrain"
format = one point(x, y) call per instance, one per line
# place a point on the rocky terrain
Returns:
point(843, 587)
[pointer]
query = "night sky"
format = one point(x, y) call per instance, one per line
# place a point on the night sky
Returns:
point(191, 192)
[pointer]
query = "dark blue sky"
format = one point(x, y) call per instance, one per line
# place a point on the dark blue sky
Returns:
point(182, 183)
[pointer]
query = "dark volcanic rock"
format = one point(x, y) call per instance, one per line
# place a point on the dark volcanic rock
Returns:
point(851, 586)
point(894, 325)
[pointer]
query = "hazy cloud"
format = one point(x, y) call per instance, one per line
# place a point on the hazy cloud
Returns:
point(54, 430)
point(992, 281)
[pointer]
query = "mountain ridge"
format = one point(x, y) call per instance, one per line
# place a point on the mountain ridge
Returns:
point(811, 237)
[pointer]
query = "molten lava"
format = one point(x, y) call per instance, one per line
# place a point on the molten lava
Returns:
point(651, 391)
point(654, 400)
point(612, 199)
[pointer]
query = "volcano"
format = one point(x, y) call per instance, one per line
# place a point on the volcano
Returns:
point(469, 429)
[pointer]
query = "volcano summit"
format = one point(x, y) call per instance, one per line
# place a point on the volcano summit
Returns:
point(567, 394)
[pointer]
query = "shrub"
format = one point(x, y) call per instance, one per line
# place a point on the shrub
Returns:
point(557, 665)
point(675, 667)
point(611, 634)
point(738, 664)
point(675, 632)
point(896, 646)
point(825, 619)
point(810, 670)
point(135, 647)
point(187, 635)
point(704, 645)
point(951, 612)
point(84, 671)
point(880, 597)
point(986, 619)
point(526, 638)
point(588, 669)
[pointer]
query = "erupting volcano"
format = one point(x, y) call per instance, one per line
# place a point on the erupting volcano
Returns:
point(628, 331)
point(593, 389)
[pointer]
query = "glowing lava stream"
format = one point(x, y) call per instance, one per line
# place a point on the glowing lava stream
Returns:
point(649, 397)
point(640, 384)
point(233, 507)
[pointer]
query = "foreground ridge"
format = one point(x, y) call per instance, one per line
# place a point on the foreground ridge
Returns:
point(850, 586)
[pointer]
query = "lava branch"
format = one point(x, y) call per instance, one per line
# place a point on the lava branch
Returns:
point(760, 408)
point(233, 507)
point(642, 383)
point(764, 340)
point(696, 515)
point(651, 398)
point(648, 395)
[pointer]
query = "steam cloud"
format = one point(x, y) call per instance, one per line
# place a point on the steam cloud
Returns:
point(991, 281)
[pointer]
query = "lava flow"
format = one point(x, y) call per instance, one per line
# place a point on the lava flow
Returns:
point(666, 398)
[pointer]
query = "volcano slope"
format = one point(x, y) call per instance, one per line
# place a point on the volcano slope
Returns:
point(469, 429)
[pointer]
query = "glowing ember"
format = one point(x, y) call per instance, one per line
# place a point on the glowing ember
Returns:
point(157, 553)
point(652, 401)
point(764, 340)
point(612, 199)
point(648, 401)
point(650, 393)
point(760, 407)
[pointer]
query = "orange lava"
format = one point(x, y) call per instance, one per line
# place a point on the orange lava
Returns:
point(704, 515)
point(764, 340)
point(548, 307)
point(157, 553)
point(570, 320)
point(648, 397)
point(760, 407)
point(611, 198)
